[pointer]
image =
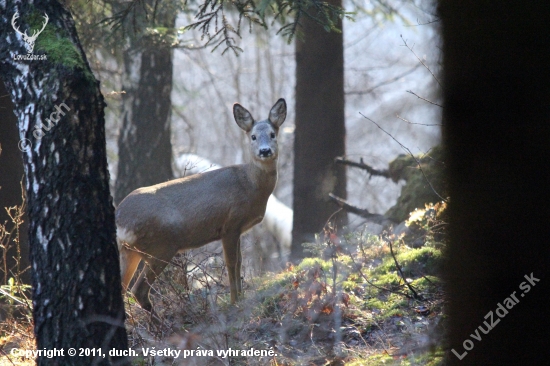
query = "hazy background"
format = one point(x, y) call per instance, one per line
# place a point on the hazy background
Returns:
point(379, 70)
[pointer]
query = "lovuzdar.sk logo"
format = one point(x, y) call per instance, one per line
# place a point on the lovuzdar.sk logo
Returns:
point(29, 40)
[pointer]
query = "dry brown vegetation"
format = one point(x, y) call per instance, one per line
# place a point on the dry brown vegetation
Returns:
point(347, 304)
point(350, 303)
point(16, 327)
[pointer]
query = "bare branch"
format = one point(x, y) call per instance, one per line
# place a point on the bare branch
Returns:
point(421, 124)
point(371, 283)
point(418, 58)
point(415, 294)
point(376, 218)
point(424, 99)
point(385, 82)
point(361, 165)
point(410, 153)
point(419, 24)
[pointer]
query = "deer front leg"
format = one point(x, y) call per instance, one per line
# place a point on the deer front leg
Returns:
point(238, 270)
point(233, 260)
point(153, 268)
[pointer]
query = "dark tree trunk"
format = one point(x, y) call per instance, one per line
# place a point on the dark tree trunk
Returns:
point(11, 175)
point(145, 150)
point(320, 132)
point(76, 281)
point(497, 130)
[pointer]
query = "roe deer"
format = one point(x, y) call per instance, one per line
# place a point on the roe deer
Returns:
point(154, 223)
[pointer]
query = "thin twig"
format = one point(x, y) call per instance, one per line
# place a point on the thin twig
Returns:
point(415, 294)
point(418, 58)
point(410, 153)
point(8, 356)
point(374, 285)
point(421, 124)
point(7, 294)
point(376, 218)
point(427, 279)
point(424, 99)
point(419, 24)
point(385, 82)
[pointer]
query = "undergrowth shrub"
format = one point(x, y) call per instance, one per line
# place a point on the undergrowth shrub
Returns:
point(351, 302)
point(16, 323)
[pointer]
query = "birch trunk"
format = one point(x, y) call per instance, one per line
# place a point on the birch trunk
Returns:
point(76, 281)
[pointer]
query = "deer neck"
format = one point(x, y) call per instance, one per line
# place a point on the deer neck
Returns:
point(263, 176)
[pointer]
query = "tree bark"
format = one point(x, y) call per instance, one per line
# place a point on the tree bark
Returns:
point(144, 147)
point(497, 130)
point(76, 281)
point(320, 132)
point(11, 176)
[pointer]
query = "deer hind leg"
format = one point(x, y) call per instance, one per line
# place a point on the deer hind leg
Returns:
point(129, 260)
point(153, 268)
point(232, 252)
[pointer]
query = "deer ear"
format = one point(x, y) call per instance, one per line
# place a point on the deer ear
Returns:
point(242, 117)
point(277, 115)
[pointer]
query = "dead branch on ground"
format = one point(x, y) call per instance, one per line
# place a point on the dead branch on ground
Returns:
point(415, 294)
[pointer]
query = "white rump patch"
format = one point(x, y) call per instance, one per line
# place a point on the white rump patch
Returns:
point(125, 235)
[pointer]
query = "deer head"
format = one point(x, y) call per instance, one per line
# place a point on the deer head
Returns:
point(29, 40)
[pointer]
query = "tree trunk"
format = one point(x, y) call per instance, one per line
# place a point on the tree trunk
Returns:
point(320, 132)
point(497, 130)
point(11, 175)
point(76, 281)
point(144, 147)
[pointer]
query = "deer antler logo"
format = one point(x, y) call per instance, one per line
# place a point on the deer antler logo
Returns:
point(29, 40)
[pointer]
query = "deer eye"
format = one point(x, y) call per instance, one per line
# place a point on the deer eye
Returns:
point(253, 137)
point(272, 135)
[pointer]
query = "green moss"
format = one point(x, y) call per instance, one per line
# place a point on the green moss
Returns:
point(345, 260)
point(349, 285)
point(57, 46)
point(309, 263)
point(425, 260)
point(428, 358)
point(393, 305)
point(392, 312)
point(274, 280)
point(375, 303)
point(388, 280)
point(417, 192)
point(431, 358)
point(375, 360)
point(270, 287)
point(423, 283)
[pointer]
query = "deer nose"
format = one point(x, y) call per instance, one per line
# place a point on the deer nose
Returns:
point(264, 153)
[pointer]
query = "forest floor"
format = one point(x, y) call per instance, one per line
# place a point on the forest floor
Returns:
point(358, 299)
